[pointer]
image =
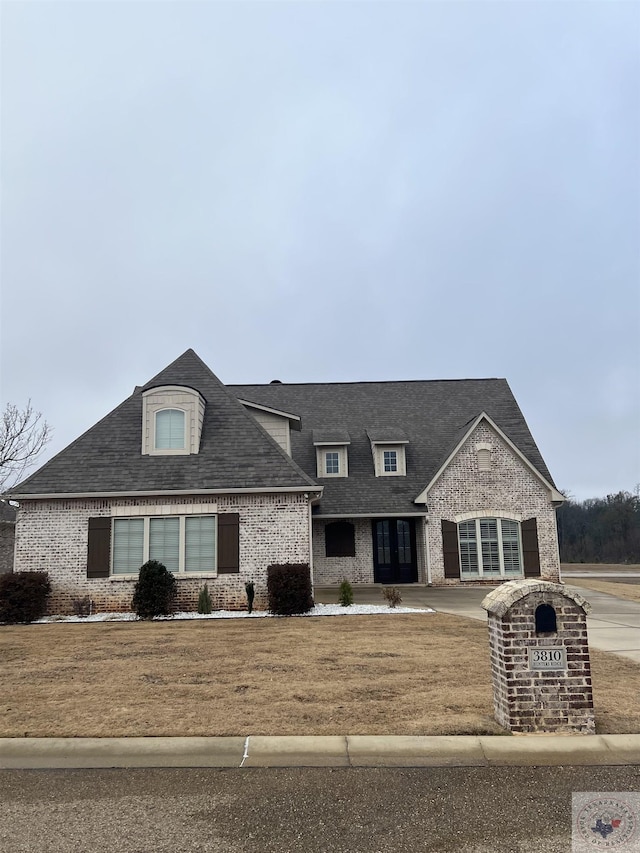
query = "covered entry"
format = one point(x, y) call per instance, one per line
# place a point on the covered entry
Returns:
point(394, 551)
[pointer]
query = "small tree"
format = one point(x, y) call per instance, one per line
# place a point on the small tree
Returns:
point(345, 596)
point(155, 591)
point(204, 601)
point(23, 436)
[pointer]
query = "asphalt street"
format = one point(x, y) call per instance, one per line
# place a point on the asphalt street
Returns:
point(319, 810)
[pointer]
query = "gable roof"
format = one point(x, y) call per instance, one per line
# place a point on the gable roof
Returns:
point(433, 415)
point(236, 453)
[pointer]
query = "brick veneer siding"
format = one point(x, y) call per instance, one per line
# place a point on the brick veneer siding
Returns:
point(509, 489)
point(358, 569)
point(7, 539)
point(528, 700)
point(51, 535)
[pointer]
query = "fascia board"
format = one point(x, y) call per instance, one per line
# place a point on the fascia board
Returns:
point(311, 490)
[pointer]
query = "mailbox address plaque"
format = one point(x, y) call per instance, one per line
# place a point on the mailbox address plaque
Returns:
point(550, 657)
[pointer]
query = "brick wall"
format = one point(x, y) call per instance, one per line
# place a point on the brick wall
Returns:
point(526, 700)
point(333, 570)
point(7, 537)
point(509, 490)
point(52, 536)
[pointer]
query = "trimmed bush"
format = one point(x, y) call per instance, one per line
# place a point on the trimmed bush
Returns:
point(250, 589)
point(23, 596)
point(205, 604)
point(289, 589)
point(345, 596)
point(155, 591)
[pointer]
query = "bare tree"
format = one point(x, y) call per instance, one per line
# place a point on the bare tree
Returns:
point(23, 436)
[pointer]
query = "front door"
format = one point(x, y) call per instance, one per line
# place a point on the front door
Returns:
point(394, 551)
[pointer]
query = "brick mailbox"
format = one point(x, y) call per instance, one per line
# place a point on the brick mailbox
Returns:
point(540, 658)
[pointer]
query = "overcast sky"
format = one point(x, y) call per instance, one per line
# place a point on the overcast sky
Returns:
point(328, 191)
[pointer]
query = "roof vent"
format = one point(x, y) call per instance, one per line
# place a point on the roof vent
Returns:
point(276, 382)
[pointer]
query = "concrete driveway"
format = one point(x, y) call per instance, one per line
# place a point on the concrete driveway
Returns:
point(613, 624)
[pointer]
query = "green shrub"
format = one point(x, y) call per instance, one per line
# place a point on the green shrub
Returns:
point(23, 596)
point(289, 589)
point(155, 591)
point(345, 596)
point(205, 604)
point(392, 595)
point(250, 589)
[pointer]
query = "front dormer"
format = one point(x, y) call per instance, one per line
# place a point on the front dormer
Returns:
point(388, 450)
point(332, 459)
point(172, 418)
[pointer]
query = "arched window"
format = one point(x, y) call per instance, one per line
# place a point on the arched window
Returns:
point(170, 432)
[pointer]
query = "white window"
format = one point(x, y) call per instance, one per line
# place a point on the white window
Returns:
point(332, 461)
point(489, 547)
point(181, 543)
point(172, 418)
point(170, 430)
point(389, 460)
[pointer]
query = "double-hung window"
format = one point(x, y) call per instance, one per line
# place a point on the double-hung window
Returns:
point(182, 543)
point(170, 429)
point(489, 547)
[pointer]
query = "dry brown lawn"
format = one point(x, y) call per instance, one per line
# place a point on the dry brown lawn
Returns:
point(400, 674)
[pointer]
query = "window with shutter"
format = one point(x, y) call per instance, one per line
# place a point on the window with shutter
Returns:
point(183, 543)
point(490, 548)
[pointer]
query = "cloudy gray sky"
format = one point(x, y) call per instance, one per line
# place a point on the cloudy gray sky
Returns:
point(325, 191)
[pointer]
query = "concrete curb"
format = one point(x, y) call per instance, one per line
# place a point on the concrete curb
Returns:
point(333, 751)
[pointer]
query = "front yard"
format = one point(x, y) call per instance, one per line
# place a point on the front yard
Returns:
point(382, 674)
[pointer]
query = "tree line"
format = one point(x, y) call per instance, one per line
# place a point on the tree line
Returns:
point(600, 530)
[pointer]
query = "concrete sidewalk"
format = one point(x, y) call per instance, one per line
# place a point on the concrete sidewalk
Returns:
point(613, 624)
point(338, 751)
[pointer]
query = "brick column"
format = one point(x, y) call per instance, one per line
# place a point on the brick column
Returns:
point(541, 677)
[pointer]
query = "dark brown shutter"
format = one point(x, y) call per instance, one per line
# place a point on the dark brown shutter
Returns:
point(340, 539)
point(99, 546)
point(450, 549)
point(530, 552)
point(228, 543)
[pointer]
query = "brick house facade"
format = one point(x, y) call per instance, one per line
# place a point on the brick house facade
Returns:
point(396, 482)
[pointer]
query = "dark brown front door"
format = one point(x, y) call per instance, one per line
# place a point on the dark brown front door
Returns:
point(394, 551)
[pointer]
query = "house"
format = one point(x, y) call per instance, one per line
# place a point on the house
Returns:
point(430, 482)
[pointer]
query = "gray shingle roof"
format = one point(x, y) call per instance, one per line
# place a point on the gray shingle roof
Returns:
point(235, 451)
point(432, 414)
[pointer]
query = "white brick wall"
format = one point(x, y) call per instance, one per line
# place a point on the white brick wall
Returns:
point(52, 536)
point(508, 488)
point(358, 569)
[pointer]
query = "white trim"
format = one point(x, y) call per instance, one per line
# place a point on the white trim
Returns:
point(287, 415)
point(347, 515)
point(164, 509)
point(490, 513)
point(311, 490)
point(554, 493)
